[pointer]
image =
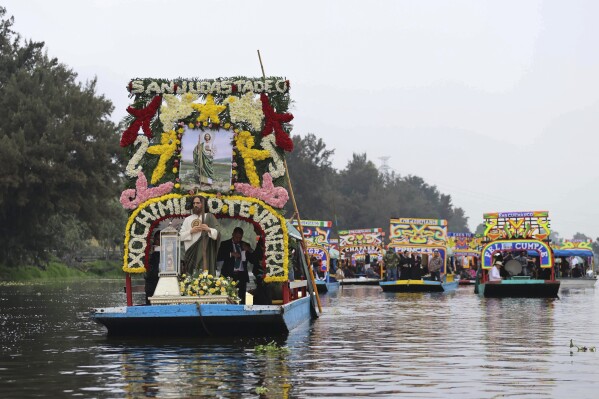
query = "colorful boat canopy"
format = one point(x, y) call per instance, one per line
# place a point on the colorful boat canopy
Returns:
point(541, 248)
point(410, 231)
point(464, 244)
point(517, 225)
point(316, 232)
point(361, 237)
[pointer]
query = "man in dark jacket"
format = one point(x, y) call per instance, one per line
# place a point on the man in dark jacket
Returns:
point(234, 254)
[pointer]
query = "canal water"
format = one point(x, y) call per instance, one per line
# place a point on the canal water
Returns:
point(366, 344)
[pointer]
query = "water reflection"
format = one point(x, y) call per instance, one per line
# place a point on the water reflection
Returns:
point(366, 344)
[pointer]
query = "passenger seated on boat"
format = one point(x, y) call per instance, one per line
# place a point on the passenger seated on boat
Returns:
point(370, 273)
point(495, 272)
point(348, 272)
point(340, 275)
point(564, 267)
point(577, 271)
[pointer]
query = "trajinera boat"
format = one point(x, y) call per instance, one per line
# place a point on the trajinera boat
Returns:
point(574, 264)
point(355, 246)
point(518, 242)
point(317, 234)
point(465, 254)
point(224, 139)
point(418, 241)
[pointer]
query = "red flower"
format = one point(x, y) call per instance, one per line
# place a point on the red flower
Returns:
point(233, 88)
point(273, 122)
point(143, 117)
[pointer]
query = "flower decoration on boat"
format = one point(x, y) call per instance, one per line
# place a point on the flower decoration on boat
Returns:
point(238, 117)
point(275, 196)
point(245, 145)
point(176, 109)
point(166, 149)
point(274, 123)
point(131, 198)
point(133, 166)
point(209, 111)
point(246, 109)
point(207, 284)
point(276, 167)
point(142, 116)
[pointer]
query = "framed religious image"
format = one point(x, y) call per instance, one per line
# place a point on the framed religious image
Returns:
point(206, 160)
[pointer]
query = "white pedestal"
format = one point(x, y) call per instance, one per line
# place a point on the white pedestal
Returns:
point(167, 286)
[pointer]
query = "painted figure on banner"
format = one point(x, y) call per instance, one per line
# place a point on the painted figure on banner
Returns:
point(200, 236)
point(203, 159)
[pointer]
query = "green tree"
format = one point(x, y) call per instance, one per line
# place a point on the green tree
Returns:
point(60, 155)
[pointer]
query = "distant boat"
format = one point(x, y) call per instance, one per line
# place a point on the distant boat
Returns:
point(420, 285)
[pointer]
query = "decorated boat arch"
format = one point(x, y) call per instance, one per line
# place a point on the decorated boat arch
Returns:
point(519, 241)
point(423, 237)
point(224, 139)
point(575, 263)
point(355, 244)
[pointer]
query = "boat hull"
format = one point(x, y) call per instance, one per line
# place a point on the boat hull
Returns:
point(360, 281)
point(203, 319)
point(418, 286)
point(324, 287)
point(519, 289)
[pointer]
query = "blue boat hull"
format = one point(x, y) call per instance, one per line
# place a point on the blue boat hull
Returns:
point(418, 286)
point(519, 289)
point(203, 319)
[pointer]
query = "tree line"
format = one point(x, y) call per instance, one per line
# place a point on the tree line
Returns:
point(360, 196)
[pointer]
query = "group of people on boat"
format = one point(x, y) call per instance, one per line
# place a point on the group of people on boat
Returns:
point(204, 250)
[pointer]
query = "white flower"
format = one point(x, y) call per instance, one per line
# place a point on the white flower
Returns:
point(246, 109)
point(176, 109)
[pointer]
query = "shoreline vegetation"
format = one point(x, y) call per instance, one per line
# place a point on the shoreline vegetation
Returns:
point(55, 270)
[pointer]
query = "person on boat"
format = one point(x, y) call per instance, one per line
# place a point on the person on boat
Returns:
point(151, 275)
point(564, 267)
point(262, 294)
point(405, 266)
point(391, 261)
point(200, 236)
point(416, 272)
point(523, 259)
point(434, 265)
point(495, 272)
point(366, 262)
point(235, 253)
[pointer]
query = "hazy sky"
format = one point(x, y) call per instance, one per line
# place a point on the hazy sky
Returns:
point(494, 102)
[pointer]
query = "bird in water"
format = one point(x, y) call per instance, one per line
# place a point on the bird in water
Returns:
point(581, 348)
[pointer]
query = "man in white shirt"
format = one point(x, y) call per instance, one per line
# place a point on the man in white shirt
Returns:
point(494, 273)
point(200, 236)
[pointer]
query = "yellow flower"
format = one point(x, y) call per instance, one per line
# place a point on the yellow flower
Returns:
point(227, 125)
point(191, 125)
point(177, 185)
point(205, 123)
point(252, 210)
point(180, 130)
point(225, 208)
point(175, 170)
point(202, 292)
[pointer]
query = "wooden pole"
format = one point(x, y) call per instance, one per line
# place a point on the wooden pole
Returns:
point(297, 216)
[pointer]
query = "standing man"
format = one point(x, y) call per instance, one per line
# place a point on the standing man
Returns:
point(434, 265)
point(234, 254)
point(391, 260)
point(200, 236)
